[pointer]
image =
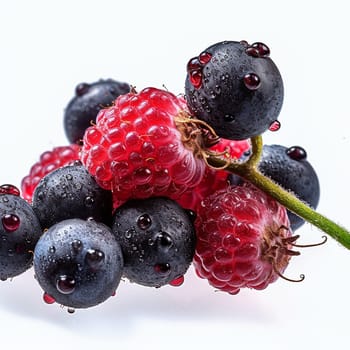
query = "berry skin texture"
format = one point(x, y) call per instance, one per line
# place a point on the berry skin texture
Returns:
point(71, 192)
point(157, 238)
point(236, 88)
point(48, 161)
point(136, 150)
point(290, 168)
point(89, 99)
point(242, 239)
point(78, 263)
point(19, 231)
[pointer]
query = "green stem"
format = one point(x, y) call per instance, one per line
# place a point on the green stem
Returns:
point(249, 172)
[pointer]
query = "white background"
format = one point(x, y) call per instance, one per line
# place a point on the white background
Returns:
point(48, 47)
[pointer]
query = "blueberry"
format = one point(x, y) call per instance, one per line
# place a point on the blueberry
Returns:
point(236, 88)
point(78, 263)
point(157, 237)
point(71, 192)
point(83, 108)
point(290, 168)
point(19, 232)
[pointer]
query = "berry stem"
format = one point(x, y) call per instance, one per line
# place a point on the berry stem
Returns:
point(249, 171)
point(257, 147)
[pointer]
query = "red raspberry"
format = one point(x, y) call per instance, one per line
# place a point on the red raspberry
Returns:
point(137, 151)
point(49, 161)
point(243, 239)
point(213, 179)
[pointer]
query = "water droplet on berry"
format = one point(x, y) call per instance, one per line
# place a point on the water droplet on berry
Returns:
point(191, 214)
point(251, 81)
point(275, 126)
point(94, 258)
point(229, 118)
point(128, 233)
point(9, 189)
point(89, 201)
point(204, 57)
point(193, 64)
point(40, 195)
point(262, 48)
point(65, 284)
point(224, 77)
point(10, 252)
point(10, 222)
point(48, 299)
point(69, 177)
point(52, 250)
point(217, 89)
point(296, 153)
point(71, 310)
point(77, 245)
point(162, 268)
point(144, 221)
point(82, 89)
point(76, 162)
point(177, 281)
point(252, 51)
point(164, 240)
point(196, 78)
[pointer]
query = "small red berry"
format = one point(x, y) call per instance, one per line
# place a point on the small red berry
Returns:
point(243, 239)
point(49, 161)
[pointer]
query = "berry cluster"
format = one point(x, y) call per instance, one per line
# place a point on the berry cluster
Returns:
point(151, 182)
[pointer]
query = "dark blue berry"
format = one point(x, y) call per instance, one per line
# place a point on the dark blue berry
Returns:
point(78, 263)
point(237, 89)
point(89, 99)
point(290, 168)
point(71, 192)
point(157, 238)
point(19, 232)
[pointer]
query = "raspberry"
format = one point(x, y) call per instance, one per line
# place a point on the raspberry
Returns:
point(243, 239)
point(214, 180)
point(49, 161)
point(136, 150)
